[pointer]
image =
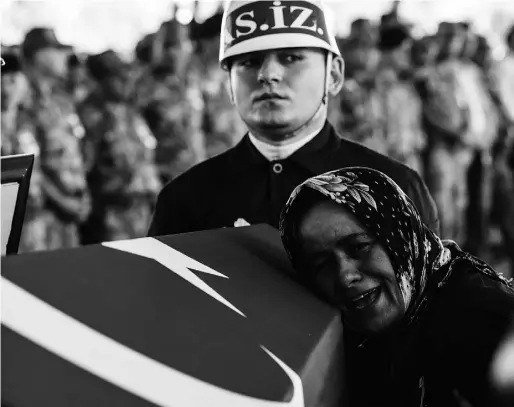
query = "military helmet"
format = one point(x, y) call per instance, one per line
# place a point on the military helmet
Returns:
point(107, 64)
point(254, 25)
point(39, 38)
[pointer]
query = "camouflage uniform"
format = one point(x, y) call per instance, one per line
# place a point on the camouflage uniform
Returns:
point(18, 137)
point(174, 107)
point(357, 116)
point(480, 175)
point(174, 112)
point(66, 198)
point(122, 175)
point(62, 202)
point(401, 112)
point(503, 89)
point(446, 118)
point(355, 111)
point(222, 124)
point(360, 54)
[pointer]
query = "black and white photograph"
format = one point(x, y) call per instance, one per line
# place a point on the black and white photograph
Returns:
point(253, 203)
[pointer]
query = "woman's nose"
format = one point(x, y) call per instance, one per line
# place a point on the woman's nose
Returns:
point(348, 270)
point(271, 70)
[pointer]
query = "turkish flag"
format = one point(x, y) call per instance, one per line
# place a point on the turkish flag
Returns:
point(212, 318)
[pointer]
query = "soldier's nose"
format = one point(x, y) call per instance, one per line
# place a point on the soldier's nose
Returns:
point(271, 70)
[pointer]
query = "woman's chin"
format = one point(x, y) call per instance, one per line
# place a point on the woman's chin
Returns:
point(378, 318)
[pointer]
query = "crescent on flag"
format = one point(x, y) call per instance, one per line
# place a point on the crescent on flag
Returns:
point(118, 364)
point(174, 261)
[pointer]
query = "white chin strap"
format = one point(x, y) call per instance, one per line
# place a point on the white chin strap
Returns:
point(328, 68)
point(324, 100)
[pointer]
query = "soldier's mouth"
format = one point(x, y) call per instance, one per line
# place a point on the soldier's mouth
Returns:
point(269, 96)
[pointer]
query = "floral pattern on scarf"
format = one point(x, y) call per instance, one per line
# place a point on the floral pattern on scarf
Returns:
point(418, 256)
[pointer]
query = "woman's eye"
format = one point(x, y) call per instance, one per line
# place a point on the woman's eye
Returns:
point(360, 249)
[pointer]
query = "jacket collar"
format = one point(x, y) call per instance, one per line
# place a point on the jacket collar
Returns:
point(315, 156)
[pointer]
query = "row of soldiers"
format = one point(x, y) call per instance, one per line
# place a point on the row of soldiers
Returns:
point(108, 134)
point(444, 106)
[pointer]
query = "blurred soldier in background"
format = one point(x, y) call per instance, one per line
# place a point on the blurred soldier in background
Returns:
point(477, 60)
point(18, 137)
point(78, 82)
point(355, 111)
point(400, 104)
point(144, 49)
point(423, 74)
point(59, 136)
point(357, 115)
point(119, 152)
point(359, 49)
point(503, 80)
point(222, 126)
point(446, 118)
point(142, 71)
point(15, 98)
point(174, 108)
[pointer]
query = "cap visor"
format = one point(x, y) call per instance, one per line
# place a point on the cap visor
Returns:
point(278, 41)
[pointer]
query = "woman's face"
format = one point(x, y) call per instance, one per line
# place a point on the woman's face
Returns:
point(350, 268)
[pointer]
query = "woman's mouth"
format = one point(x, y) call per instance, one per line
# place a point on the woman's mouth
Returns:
point(365, 300)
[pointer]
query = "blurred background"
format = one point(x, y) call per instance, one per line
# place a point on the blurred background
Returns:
point(96, 25)
point(118, 97)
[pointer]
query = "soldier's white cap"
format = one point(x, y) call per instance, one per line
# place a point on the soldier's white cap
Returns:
point(257, 25)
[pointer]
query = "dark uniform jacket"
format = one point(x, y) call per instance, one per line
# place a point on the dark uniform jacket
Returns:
point(242, 184)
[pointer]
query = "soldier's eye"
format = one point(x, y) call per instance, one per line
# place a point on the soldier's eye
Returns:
point(248, 62)
point(291, 58)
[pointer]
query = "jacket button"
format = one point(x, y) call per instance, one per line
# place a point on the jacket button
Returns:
point(277, 168)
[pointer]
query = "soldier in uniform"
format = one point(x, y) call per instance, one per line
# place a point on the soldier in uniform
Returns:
point(446, 120)
point(119, 146)
point(503, 90)
point(18, 137)
point(15, 96)
point(360, 49)
point(78, 83)
point(282, 62)
point(480, 173)
point(174, 106)
point(222, 126)
point(423, 59)
point(355, 111)
point(400, 105)
point(59, 135)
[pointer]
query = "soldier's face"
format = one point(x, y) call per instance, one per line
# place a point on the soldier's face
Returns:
point(117, 88)
point(52, 61)
point(278, 91)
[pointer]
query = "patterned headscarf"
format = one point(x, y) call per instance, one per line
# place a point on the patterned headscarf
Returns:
point(418, 256)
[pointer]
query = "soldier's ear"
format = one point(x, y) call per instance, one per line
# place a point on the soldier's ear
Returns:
point(336, 78)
